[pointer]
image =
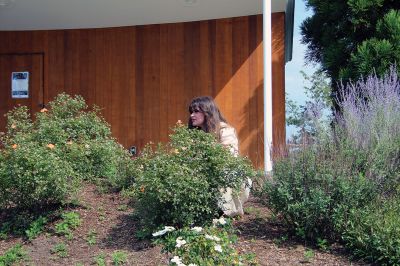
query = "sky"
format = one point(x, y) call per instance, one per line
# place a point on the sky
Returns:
point(294, 81)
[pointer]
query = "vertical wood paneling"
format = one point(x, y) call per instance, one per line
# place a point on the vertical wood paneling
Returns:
point(240, 81)
point(171, 78)
point(254, 126)
point(151, 78)
point(259, 69)
point(139, 103)
point(56, 61)
point(223, 67)
point(144, 77)
point(164, 83)
point(205, 68)
point(130, 111)
point(278, 72)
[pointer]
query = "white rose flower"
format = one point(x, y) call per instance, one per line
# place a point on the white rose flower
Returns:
point(217, 239)
point(169, 228)
point(208, 237)
point(176, 260)
point(218, 248)
point(180, 242)
point(197, 229)
point(214, 238)
point(222, 221)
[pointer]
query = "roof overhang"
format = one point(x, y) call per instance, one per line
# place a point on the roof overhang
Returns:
point(16, 15)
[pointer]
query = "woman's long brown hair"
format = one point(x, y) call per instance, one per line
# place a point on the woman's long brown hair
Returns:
point(212, 114)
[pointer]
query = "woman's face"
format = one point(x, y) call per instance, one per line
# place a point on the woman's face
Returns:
point(197, 118)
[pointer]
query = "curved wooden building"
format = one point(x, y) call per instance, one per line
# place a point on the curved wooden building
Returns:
point(143, 61)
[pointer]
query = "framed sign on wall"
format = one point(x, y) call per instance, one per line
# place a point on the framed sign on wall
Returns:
point(20, 85)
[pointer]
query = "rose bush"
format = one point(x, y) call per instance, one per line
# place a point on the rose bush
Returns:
point(181, 183)
point(45, 160)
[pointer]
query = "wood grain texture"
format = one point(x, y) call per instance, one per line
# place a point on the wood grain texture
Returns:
point(32, 63)
point(143, 77)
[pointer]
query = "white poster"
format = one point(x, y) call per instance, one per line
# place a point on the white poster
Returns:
point(20, 85)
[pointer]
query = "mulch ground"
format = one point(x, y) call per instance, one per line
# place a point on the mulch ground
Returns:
point(110, 217)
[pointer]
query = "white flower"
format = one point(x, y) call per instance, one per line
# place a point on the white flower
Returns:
point(169, 228)
point(214, 238)
point(218, 248)
point(222, 221)
point(197, 229)
point(209, 237)
point(180, 242)
point(217, 239)
point(192, 264)
point(165, 230)
point(178, 261)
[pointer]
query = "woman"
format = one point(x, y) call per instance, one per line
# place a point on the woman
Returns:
point(205, 115)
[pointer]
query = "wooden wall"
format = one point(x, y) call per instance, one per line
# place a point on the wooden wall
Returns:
point(145, 76)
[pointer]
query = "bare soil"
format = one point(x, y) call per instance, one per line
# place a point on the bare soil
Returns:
point(110, 217)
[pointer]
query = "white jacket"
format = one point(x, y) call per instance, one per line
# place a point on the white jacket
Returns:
point(232, 204)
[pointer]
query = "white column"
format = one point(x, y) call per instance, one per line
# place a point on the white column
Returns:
point(267, 45)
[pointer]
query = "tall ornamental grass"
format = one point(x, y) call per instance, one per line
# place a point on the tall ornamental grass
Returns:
point(370, 109)
point(370, 125)
point(335, 187)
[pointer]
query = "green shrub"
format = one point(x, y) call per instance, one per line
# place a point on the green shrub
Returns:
point(374, 233)
point(36, 227)
point(345, 185)
point(70, 222)
point(32, 174)
point(12, 255)
point(119, 257)
point(210, 245)
point(314, 189)
point(91, 237)
point(85, 141)
point(180, 184)
point(69, 118)
point(45, 160)
point(60, 250)
point(100, 259)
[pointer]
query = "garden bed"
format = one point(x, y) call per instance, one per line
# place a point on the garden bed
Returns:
point(109, 216)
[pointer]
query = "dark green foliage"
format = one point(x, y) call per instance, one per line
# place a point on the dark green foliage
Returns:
point(209, 245)
point(70, 221)
point(352, 38)
point(12, 255)
point(374, 233)
point(345, 184)
point(36, 227)
point(180, 184)
point(314, 186)
point(45, 160)
point(32, 174)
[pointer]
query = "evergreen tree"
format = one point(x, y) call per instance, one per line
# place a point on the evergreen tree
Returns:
point(352, 38)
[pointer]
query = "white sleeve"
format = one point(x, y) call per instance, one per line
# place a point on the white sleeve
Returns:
point(230, 140)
